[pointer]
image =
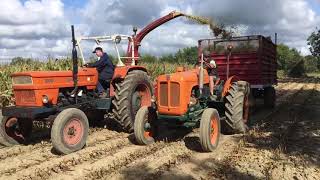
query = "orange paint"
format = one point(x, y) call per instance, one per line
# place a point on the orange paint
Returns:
point(174, 91)
point(48, 83)
point(228, 84)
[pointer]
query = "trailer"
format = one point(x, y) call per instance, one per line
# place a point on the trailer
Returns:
point(251, 59)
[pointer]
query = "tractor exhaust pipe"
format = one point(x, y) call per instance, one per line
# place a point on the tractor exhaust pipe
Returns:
point(201, 76)
point(74, 63)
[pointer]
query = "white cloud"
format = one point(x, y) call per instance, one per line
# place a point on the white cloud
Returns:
point(35, 28)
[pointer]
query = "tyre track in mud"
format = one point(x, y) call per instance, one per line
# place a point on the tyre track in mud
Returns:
point(282, 132)
point(102, 167)
point(155, 165)
point(63, 163)
point(35, 157)
point(100, 135)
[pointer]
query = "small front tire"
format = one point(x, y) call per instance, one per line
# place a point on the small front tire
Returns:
point(209, 129)
point(144, 126)
point(69, 131)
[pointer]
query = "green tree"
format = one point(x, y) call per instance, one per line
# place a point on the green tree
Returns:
point(311, 63)
point(187, 55)
point(290, 61)
point(314, 43)
point(147, 58)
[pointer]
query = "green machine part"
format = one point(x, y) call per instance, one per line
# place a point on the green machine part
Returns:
point(190, 119)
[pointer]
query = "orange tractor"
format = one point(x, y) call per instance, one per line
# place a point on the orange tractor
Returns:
point(61, 99)
point(183, 99)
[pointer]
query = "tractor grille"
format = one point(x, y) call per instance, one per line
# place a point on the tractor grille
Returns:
point(24, 97)
point(174, 94)
point(163, 94)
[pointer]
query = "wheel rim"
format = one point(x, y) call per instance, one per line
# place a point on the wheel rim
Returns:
point(147, 133)
point(73, 132)
point(246, 106)
point(14, 130)
point(141, 97)
point(214, 130)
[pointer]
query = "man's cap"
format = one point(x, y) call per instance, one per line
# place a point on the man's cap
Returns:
point(97, 48)
point(213, 63)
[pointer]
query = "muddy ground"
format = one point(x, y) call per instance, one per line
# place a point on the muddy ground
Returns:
point(283, 143)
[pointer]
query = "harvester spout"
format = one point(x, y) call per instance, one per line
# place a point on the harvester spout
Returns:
point(137, 37)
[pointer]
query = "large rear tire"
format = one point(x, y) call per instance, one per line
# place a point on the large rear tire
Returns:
point(144, 126)
point(132, 93)
point(237, 107)
point(209, 129)
point(14, 131)
point(69, 131)
point(269, 97)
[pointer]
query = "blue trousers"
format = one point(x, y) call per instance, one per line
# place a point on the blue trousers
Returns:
point(103, 85)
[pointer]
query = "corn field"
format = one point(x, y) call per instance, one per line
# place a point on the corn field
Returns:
point(6, 94)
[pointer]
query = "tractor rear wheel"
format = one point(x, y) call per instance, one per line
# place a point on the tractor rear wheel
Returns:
point(132, 93)
point(269, 97)
point(69, 131)
point(209, 129)
point(144, 126)
point(14, 131)
point(237, 107)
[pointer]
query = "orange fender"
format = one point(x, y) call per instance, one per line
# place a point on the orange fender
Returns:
point(228, 84)
point(121, 72)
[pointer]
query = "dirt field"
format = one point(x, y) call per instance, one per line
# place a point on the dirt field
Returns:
point(283, 143)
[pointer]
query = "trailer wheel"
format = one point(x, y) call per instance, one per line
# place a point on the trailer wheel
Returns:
point(14, 131)
point(134, 92)
point(209, 129)
point(237, 108)
point(69, 131)
point(145, 126)
point(269, 97)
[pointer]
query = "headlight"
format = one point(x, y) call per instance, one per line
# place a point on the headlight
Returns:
point(45, 99)
point(193, 101)
point(17, 80)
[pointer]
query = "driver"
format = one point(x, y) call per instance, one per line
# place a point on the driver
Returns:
point(213, 77)
point(105, 69)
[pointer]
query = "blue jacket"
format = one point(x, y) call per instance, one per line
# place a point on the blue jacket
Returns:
point(104, 67)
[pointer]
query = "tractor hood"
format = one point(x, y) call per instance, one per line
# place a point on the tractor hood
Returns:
point(48, 74)
point(53, 79)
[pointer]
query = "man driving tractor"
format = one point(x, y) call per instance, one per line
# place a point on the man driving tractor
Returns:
point(213, 74)
point(105, 69)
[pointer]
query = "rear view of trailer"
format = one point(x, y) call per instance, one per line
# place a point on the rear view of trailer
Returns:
point(252, 59)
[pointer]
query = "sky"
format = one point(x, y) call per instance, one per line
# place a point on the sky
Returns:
point(41, 28)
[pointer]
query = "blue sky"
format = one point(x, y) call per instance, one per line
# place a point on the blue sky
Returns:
point(315, 5)
point(75, 3)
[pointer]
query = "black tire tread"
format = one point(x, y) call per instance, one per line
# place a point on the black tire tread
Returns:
point(234, 109)
point(121, 102)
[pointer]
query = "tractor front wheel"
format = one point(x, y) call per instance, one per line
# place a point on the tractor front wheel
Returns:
point(209, 129)
point(69, 131)
point(14, 131)
point(145, 126)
